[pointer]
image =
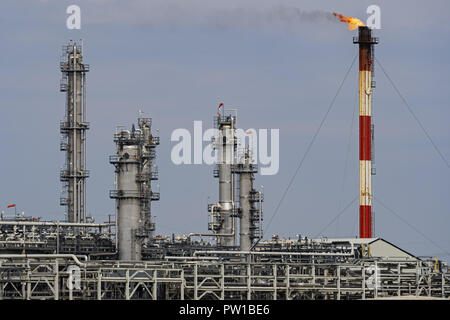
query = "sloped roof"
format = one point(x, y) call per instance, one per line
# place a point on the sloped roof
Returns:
point(368, 241)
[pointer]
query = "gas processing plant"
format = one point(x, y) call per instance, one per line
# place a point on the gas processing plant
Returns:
point(123, 259)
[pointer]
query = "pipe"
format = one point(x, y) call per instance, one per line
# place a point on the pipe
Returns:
point(45, 256)
point(84, 137)
point(213, 234)
point(278, 253)
point(75, 199)
point(103, 254)
point(189, 258)
point(55, 224)
point(213, 206)
point(201, 235)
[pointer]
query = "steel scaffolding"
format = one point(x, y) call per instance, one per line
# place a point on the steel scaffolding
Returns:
point(70, 277)
point(73, 130)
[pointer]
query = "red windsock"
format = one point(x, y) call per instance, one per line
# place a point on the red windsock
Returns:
point(218, 109)
point(11, 205)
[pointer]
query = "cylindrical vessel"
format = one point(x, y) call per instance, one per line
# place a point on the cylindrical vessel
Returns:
point(133, 162)
point(128, 205)
point(226, 156)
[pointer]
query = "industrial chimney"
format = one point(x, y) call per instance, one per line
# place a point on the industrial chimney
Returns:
point(366, 84)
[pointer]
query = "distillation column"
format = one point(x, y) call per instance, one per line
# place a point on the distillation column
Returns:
point(134, 170)
point(73, 130)
point(366, 57)
point(250, 202)
point(223, 212)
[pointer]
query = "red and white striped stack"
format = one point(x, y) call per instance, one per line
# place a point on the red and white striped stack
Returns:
point(366, 42)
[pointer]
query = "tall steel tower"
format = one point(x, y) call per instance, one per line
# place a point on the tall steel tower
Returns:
point(366, 84)
point(223, 213)
point(135, 170)
point(73, 129)
point(250, 202)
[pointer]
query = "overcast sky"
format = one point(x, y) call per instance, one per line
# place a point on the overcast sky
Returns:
point(279, 63)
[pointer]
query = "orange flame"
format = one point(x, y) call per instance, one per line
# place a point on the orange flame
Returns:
point(353, 23)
